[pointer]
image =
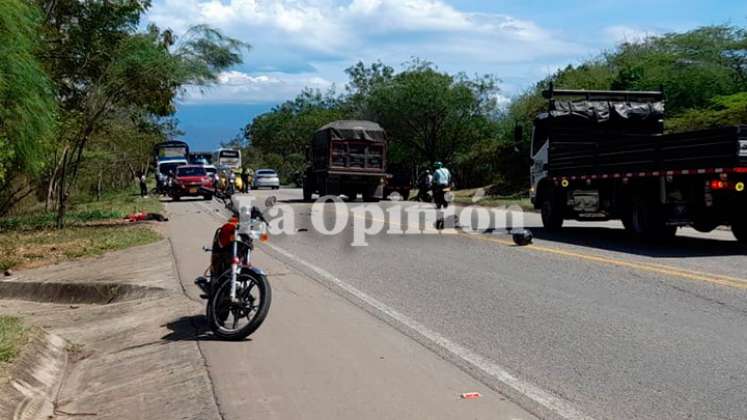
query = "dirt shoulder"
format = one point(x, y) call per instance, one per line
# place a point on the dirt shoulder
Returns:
point(128, 331)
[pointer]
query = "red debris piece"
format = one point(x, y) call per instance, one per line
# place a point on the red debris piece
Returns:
point(471, 395)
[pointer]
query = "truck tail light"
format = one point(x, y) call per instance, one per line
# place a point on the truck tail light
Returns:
point(718, 184)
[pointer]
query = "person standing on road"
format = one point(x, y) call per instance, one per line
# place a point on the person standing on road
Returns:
point(143, 185)
point(441, 182)
point(244, 179)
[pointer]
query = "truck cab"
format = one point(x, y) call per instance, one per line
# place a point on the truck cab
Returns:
point(538, 169)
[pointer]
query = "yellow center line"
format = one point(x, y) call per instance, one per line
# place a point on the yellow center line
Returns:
point(671, 271)
point(719, 279)
point(686, 270)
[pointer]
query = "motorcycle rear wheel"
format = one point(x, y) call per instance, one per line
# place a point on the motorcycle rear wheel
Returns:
point(254, 295)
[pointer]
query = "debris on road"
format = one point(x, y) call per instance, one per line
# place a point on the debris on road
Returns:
point(470, 395)
point(522, 237)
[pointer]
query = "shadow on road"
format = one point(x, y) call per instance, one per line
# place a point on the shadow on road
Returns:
point(618, 240)
point(188, 328)
point(191, 328)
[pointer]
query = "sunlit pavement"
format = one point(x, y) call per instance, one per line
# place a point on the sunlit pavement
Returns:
point(612, 327)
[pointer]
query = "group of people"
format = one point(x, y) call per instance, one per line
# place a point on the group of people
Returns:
point(438, 183)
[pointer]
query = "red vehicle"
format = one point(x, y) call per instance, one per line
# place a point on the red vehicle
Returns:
point(192, 181)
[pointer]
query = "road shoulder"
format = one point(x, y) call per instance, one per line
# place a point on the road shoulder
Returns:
point(318, 356)
point(131, 355)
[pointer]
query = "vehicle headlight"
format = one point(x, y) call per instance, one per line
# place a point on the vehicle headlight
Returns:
point(742, 152)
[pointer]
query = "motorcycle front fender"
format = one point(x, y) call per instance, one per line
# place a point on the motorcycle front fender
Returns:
point(254, 270)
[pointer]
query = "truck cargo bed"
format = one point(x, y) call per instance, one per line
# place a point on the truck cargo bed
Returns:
point(586, 151)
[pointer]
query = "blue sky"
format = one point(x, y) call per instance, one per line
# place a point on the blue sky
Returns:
point(299, 43)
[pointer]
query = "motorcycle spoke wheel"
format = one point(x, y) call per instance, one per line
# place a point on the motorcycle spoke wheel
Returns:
point(235, 320)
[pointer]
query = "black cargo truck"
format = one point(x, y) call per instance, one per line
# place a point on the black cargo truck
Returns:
point(602, 155)
point(348, 158)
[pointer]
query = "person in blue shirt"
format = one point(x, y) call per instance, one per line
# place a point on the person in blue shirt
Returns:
point(441, 181)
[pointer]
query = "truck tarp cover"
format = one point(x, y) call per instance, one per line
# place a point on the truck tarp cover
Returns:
point(600, 112)
point(597, 137)
point(351, 130)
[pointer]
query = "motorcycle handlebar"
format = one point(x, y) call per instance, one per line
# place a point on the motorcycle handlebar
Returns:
point(255, 213)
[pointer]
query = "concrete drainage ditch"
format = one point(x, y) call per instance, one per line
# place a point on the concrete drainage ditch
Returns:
point(76, 293)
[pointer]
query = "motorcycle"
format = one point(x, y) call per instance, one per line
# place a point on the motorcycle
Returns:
point(238, 294)
point(226, 187)
point(425, 195)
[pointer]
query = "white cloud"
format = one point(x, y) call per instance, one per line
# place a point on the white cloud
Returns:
point(237, 78)
point(623, 33)
point(241, 88)
point(502, 101)
point(296, 41)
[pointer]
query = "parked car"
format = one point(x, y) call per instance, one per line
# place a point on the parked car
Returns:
point(192, 181)
point(266, 178)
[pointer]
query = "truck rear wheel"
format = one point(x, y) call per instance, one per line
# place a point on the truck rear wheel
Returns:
point(648, 222)
point(306, 185)
point(552, 213)
point(627, 221)
point(740, 232)
point(369, 194)
point(705, 227)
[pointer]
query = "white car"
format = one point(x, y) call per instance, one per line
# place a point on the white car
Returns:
point(266, 178)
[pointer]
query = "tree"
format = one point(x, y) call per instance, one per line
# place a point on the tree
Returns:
point(692, 67)
point(279, 138)
point(434, 115)
point(722, 111)
point(27, 107)
point(363, 80)
point(102, 64)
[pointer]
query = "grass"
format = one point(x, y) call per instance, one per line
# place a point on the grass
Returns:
point(110, 207)
point(28, 249)
point(12, 337)
point(473, 196)
point(92, 228)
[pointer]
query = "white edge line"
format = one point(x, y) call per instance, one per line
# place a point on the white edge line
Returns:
point(558, 406)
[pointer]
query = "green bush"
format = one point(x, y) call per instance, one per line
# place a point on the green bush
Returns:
point(12, 338)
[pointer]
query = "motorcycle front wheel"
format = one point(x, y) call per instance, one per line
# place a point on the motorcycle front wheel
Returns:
point(237, 320)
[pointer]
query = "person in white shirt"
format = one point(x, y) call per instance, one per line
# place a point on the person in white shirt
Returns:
point(441, 181)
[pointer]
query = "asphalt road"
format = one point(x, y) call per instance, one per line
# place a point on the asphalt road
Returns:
point(585, 322)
